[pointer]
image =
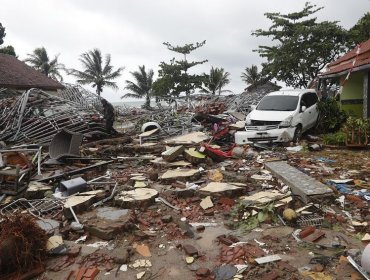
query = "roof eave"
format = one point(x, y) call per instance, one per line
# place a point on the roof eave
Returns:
point(26, 87)
point(344, 72)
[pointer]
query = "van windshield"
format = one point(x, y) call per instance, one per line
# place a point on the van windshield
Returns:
point(278, 103)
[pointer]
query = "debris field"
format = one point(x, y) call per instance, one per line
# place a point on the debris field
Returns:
point(170, 196)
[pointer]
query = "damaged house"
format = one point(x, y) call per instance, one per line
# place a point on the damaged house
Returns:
point(17, 75)
point(33, 107)
point(352, 73)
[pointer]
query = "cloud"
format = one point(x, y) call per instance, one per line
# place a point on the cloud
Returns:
point(133, 31)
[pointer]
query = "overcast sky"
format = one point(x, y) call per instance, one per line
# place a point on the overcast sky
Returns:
point(133, 31)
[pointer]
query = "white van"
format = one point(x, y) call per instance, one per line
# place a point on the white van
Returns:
point(280, 116)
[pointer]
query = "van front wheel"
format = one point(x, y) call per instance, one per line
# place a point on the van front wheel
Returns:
point(297, 134)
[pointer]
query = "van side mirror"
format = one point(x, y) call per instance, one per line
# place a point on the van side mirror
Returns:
point(253, 107)
point(303, 108)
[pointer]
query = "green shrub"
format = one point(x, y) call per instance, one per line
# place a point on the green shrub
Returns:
point(356, 130)
point(331, 117)
point(337, 139)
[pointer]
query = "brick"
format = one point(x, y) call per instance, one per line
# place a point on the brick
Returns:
point(315, 237)
point(226, 201)
point(203, 272)
point(91, 272)
point(74, 252)
point(286, 266)
point(80, 273)
point(224, 240)
point(233, 238)
point(306, 232)
point(270, 276)
point(190, 250)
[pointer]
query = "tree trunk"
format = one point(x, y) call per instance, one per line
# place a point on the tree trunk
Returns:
point(147, 102)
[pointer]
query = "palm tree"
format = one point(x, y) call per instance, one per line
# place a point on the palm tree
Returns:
point(225, 80)
point(95, 73)
point(251, 75)
point(40, 60)
point(143, 85)
point(216, 80)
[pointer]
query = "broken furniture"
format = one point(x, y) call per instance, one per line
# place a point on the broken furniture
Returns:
point(65, 144)
point(14, 180)
point(15, 173)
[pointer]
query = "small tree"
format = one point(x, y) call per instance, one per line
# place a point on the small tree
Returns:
point(304, 47)
point(174, 77)
point(97, 72)
point(40, 60)
point(360, 32)
point(143, 85)
point(8, 50)
point(2, 34)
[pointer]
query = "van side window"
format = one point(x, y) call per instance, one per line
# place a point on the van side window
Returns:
point(309, 99)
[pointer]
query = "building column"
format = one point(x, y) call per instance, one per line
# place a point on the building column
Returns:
point(366, 97)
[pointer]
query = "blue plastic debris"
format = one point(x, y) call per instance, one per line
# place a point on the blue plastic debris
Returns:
point(324, 159)
point(345, 189)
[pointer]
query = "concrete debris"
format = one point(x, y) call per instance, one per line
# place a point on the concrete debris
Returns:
point(225, 272)
point(54, 243)
point(180, 174)
point(221, 188)
point(188, 139)
point(172, 153)
point(267, 259)
point(140, 275)
point(141, 263)
point(301, 184)
point(206, 203)
point(136, 198)
point(193, 156)
point(175, 199)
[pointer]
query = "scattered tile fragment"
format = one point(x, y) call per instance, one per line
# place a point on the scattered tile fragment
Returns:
point(206, 203)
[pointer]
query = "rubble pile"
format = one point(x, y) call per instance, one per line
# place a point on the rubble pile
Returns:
point(176, 199)
point(35, 116)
